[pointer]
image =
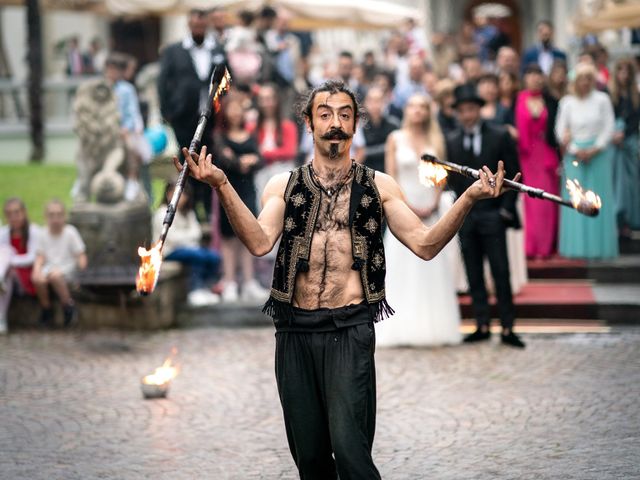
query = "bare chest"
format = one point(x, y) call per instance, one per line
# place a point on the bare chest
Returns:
point(330, 281)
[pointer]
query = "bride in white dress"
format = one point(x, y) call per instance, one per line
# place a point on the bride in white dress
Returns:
point(421, 292)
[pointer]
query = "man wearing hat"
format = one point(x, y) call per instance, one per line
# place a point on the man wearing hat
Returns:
point(475, 144)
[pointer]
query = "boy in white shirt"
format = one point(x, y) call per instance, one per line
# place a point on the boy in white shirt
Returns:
point(60, 254)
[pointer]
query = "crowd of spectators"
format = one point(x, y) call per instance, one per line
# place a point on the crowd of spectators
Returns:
point(567, 121)
point(575, 121)
point(90, 61)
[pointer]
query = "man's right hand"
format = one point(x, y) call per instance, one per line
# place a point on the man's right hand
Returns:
point(201, 167)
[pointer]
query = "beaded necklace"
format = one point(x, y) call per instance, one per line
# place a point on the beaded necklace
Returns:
point(330, 191)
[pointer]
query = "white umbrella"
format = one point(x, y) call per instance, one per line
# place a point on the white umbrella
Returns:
point(613, 15)
point(307, 14)
point(315, 14)
point(492, 10)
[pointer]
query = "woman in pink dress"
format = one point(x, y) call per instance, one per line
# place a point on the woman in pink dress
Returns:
point(539, 164)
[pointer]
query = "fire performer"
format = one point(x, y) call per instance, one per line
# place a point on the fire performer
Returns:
point(483, 233)
point(328, 285)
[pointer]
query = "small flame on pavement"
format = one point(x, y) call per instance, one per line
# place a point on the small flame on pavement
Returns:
point(587, 202)
point(150, 263)
point(164, 374)
point(432, 174)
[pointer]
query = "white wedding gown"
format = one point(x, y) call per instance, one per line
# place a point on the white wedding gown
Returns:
point(421, 293)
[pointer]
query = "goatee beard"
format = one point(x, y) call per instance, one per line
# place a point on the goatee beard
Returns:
point(333, 151)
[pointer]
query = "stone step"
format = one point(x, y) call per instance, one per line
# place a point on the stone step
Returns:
point(539, 301)
point(631, 245)
point(545, 326)
point(611, 303)
point(624, 269)
point(234, 314)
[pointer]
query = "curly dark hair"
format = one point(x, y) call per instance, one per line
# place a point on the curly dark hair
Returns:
point(305, 106)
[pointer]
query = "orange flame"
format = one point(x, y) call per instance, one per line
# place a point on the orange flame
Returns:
point(150, 263)
point(223, 87)
point(164, 374)
point(432, 174)
point(583, 201)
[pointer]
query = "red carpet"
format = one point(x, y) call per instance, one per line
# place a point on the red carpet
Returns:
point(556, 262)
point(550, 293)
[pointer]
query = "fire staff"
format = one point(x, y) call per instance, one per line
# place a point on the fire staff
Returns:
point(328, 285)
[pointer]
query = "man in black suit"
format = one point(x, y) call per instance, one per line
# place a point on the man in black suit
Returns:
point(476, 144)
point(183, 87)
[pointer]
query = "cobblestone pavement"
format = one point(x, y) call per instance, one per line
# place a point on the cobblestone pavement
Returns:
point(70, 408)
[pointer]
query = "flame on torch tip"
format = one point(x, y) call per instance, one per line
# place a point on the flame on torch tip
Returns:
point(164, 374)
point(586, 202)
point(223, 87)
point(432, 174)
point(150, 263)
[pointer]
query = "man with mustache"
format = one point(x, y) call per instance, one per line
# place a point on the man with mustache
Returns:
point(335, 134)
point(328, 283)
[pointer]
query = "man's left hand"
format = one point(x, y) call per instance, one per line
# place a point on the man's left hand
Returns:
point(489, 185)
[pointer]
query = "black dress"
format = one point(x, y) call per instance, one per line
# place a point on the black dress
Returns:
point(375, 138)
point(243, 183)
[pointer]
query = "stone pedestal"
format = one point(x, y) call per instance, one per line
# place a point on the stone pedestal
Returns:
point(124, 308)
point(112, 233)
point(107, 296)
point(119, 308)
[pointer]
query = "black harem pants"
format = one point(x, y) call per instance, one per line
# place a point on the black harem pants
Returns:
point(325, 373)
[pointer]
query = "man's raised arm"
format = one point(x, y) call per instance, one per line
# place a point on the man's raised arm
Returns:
point(426, 242)
point(259, 235)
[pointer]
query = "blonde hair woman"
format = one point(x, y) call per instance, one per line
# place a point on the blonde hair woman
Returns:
point(420, 133)
point(422, 293)
point(584, 128)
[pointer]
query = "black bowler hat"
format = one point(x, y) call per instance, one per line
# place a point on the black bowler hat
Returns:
point(467, 93)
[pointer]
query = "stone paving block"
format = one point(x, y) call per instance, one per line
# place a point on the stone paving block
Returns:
point(71, 408)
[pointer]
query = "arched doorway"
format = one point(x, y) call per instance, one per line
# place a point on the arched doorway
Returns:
point(139, 37)
point(510, 24)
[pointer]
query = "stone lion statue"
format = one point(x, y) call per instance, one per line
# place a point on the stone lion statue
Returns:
point(101, 155)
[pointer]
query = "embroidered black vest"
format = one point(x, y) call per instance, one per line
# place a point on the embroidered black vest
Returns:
point(302, 198)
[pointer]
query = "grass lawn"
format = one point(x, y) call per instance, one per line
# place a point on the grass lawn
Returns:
point(37, 184)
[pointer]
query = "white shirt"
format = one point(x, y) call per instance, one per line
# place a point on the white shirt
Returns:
point(587, 120)
point(545, 60)
point(476, 133)
point(200, 54)
point(185, 232)
point(61, 251)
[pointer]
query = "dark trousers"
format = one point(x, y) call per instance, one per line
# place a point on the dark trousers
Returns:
point(204, 264)
point(326, 381)
point(483, 234)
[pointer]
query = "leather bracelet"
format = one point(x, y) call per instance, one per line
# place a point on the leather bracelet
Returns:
point(218, 187)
